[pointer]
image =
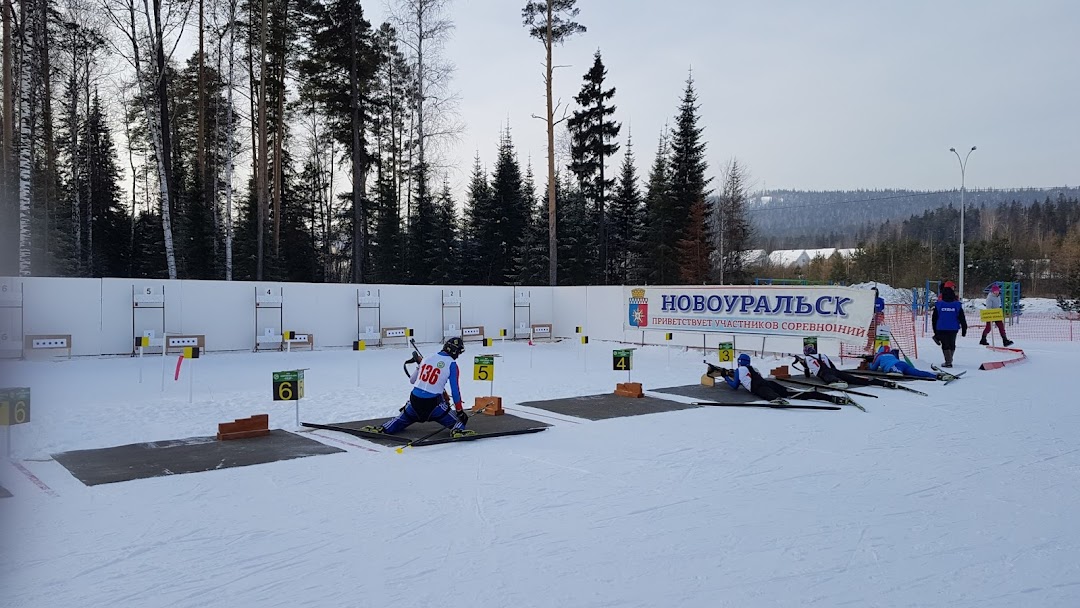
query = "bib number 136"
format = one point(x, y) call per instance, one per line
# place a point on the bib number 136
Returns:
point(429, 374)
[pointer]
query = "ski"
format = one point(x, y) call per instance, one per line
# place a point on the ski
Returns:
point(825, 387)
point(951, 376)
point(891, 384)
point(405, 440)
point(770, 405)
point(850, 401)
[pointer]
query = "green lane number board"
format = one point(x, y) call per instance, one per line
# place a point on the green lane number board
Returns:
point(726, 350)
point(484, 368)
point(289, 386)
point(622, 360)
point(14, 406)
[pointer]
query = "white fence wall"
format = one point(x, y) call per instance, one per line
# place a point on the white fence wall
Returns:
point(99, 315)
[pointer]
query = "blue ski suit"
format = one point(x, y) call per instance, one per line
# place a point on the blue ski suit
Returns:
point(427, 400)
point(889, 363)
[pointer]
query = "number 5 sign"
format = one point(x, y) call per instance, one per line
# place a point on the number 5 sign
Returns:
point(484, 368)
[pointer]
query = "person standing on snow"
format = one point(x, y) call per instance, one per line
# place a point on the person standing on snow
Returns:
point(993, 300)
point(428, 398)
point(746, 376)
point(948, 319)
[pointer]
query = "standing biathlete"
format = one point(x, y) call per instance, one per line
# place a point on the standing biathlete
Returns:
point(749, 378)
point(428, 399)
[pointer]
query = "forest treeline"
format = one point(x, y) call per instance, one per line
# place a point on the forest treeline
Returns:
point(1036, 242)
point(301, 142)
point(792, 219)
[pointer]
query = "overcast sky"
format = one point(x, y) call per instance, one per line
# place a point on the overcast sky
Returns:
point(809, 95)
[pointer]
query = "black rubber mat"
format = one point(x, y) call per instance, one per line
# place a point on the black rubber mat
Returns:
point(192, 455)
point(602, 407)
point(483, 424)
point(4, 493)
point(722, 393)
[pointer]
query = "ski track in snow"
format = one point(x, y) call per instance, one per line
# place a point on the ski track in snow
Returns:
point(965, 498)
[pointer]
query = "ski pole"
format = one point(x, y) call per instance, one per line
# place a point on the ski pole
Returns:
point(424, 438)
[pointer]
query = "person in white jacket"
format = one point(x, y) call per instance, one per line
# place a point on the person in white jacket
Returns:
point(993, 300)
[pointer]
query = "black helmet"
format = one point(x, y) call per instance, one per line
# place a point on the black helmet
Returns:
point(454, 347)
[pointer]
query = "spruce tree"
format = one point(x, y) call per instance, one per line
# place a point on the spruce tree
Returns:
point(688, 167)
point(729, 225)
point(477, 223)
point(693, 248)
point(426, 248)
point(627, 224)
point(531, 259)
point(111, 221)
point(508, 199)
point(447, 267)
point(663, 223)
point(593, 134)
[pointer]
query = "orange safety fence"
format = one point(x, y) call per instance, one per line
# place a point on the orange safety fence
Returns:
point(1013, 352)
point(901, 323)
point(1030, 327)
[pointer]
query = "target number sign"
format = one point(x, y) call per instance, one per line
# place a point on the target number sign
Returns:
point(622, 360)
point(14, 406)
point(726, 351)
point(484, 368)
point(289, 386)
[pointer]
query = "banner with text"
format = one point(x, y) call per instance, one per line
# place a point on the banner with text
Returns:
point(843, 313)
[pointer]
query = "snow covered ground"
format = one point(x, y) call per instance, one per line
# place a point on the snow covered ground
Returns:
point(968, 497)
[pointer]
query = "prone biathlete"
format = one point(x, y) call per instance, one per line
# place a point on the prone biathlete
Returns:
point(749, 378)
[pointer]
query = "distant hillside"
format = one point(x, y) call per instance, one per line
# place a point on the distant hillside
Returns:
point(787, 219)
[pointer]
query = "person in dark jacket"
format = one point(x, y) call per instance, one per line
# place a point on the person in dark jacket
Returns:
point(948, 320)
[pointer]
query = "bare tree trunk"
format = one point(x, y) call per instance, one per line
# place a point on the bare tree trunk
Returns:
point(26, 136)
point(134, 195)
point(553, 252)
point(262, 166)
point(200, 151)
point(89, 174)
point(215, 162)
point(7, 150)
point(279, 136)
point(228, 148)
point(76, 208)
point(359, 219)
point(47, 192)
point(155, 126)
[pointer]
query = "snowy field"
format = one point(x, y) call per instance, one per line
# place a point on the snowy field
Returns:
point(967, 498)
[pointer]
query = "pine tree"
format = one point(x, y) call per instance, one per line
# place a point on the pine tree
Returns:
point(551, 22)
point(627, 225)
point(577, 265)
point(593, 134)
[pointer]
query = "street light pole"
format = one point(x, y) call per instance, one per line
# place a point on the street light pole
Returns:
point(963, 171)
